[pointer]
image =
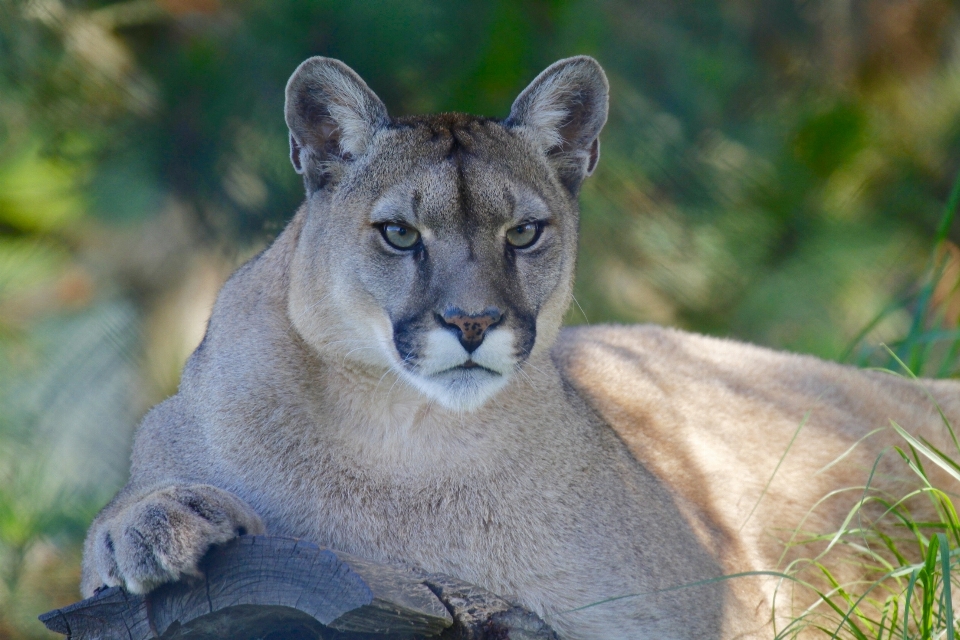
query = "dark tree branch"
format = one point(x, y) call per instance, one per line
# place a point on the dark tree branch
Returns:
point(260, 587)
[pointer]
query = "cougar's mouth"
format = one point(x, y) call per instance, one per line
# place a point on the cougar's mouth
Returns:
point(469, 366)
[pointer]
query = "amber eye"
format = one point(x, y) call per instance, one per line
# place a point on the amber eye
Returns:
point(400, 236)
point(524, 235)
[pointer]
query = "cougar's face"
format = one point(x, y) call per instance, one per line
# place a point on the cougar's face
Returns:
point(439, 247)
point(451, 254)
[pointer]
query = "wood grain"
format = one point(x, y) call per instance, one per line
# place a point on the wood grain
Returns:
point(254, 580)
point(272, 588)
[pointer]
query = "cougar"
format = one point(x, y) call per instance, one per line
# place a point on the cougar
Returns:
point(390, 379)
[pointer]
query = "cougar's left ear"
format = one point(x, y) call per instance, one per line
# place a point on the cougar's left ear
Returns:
point(564, 109)
point(332, 115)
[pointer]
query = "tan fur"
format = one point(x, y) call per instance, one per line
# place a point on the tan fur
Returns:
point(591, 464)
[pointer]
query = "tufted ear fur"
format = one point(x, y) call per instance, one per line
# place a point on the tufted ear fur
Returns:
point(332, 115)
point(564, 109)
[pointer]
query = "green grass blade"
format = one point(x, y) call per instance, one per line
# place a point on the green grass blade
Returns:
point(876, 320)
point(946, 459)
point(846, 453)
point(949, 212)
point(947, 596)
point(926, 391)
point(911, 588)
point(851, 625)
point(806, 417)
point(917, 445)
point(927, 578)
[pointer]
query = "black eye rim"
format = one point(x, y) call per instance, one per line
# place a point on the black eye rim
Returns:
point(382, 227)
point(538, 231)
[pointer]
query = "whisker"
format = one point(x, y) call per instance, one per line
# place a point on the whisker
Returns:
point(398, 379)
point(330, 344)
point(584, 313)
point(536, 368)
point(377, 388)
point(343, 360)
point(526, 377)
point(397, 370)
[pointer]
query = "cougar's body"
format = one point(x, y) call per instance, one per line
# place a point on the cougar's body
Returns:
point(389, 378)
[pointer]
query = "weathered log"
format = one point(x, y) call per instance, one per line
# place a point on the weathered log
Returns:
point(479, 614)
point(260, 587)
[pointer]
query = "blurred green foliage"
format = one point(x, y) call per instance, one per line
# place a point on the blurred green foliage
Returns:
point(774, 171)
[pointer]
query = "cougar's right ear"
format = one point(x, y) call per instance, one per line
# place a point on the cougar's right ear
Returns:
point(332, 115)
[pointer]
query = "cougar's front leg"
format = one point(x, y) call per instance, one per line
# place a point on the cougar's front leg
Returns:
point(160, 536)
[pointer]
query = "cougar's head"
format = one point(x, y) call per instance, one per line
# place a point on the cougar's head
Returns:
point(440, 247)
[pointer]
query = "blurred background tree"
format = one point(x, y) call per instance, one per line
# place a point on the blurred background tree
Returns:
point(773, 170)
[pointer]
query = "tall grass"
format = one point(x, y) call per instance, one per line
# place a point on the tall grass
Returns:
point(912, 560)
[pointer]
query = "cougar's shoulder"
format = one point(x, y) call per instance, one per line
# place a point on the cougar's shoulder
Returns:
point(702, 378)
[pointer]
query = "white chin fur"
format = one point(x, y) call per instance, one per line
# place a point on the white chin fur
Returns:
point(460, 390)
point(438, 377)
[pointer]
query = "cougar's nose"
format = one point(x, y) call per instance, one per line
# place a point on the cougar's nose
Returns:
point(471, 327)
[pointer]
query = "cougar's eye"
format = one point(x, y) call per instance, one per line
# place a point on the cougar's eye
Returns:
point(524, 235)
point(400, 236)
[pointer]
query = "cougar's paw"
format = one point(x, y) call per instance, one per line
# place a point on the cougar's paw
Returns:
point(161, 537)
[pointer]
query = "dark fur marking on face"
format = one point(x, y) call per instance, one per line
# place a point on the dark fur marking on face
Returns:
point(509, 259)
point(424, 270)
point(454, 150)
point(415, 202)
point(405, 339)
point(511, 200)
point(406, 350)
point(526, 325)
point(465, 202)
point(459, 130)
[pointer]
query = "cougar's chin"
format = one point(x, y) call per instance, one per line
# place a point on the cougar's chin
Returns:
point(461, 389)
point(458, 380)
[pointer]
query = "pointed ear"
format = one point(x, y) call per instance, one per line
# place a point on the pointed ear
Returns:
point(332, 115)
point(563, 110)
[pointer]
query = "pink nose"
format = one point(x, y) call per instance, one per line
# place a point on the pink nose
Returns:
point(471, 327)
